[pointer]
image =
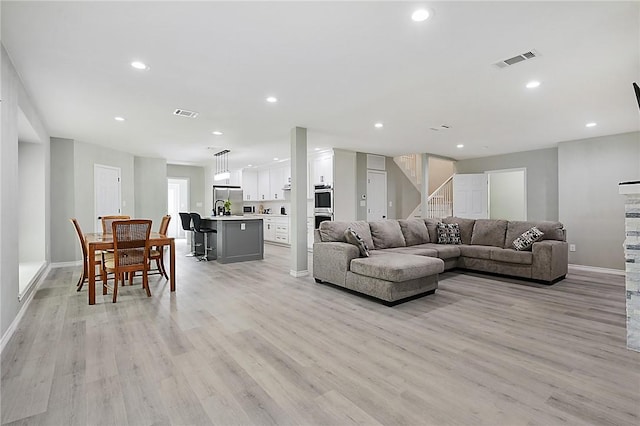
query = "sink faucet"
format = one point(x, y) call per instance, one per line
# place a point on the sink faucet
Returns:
point(215, 210)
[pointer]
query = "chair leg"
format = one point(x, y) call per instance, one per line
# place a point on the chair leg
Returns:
point(84, 275)
point(115, 288)
point(145, 283)
point(161, 267)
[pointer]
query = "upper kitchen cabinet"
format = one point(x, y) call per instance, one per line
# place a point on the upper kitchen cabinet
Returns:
point(264, 190)
point(278, 178)
point(322, 170)
point(250, 185)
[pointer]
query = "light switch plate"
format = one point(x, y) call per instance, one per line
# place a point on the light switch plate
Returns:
point(363, 203)
point(243, 226)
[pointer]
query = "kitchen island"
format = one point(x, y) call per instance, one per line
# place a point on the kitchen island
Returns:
point(238, 238)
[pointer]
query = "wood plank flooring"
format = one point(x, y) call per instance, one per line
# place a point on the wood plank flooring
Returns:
point(248, 344)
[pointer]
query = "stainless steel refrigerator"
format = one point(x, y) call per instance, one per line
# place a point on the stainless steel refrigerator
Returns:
point(222, 193)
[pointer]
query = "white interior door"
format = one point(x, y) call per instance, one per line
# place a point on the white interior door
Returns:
point(471, 196)
point(376, 195)
point(177, 201)
point(106, 192)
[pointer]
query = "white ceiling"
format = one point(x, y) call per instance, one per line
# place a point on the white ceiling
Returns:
point(336, 67)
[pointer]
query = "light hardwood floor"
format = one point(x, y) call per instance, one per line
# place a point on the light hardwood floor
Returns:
point(248, 344)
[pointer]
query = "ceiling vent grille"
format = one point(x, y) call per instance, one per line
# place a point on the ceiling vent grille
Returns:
point(185, 113)
point(517, 59)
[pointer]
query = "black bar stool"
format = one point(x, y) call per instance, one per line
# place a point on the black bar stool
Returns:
point(185, 218)
point(197, 220)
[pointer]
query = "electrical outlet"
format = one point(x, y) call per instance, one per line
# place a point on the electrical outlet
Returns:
point(243, 226)
point(572, 247)
point(390, 203)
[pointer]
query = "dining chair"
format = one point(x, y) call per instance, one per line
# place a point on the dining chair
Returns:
point(130, 253)
point(198, 228)
point(157, 252)
point(108, 220)
point(100, 256)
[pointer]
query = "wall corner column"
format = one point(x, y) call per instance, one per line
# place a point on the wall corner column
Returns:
point(298, 237)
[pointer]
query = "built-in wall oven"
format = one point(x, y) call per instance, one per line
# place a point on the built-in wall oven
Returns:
point(323, 204)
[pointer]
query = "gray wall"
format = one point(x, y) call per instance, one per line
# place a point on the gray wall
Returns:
point(15, 97)
point(63, 235)
point(590, 206)
point(440, 170)
point(542, 177)
point(195, 175)
point(344, 174)
point(150, 177)
point(402, 194)
point(361, 184)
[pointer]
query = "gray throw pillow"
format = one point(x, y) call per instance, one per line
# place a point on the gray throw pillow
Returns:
point(414, 231)
point(448, 233)
point(526, 240)
point(352, 237)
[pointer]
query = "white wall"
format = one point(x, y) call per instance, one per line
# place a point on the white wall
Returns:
point(195, 174)
point(507, 198)
point(15, 98)
point(590, 206)
point(31, 202)
point(439, 171)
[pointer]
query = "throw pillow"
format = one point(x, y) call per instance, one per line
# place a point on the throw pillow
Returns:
point(448, 233)
point(352, 237)
point(526, 240)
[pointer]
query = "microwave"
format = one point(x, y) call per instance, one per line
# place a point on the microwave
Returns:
point(323, 200)
point(248, 209)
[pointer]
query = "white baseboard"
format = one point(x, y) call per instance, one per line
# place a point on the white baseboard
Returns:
point(14, 324)
point(65, 264)
point(586, 268)
point(298, 274)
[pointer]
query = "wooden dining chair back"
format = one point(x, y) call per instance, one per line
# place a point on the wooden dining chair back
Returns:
point(157, 252)
point(85, 258)
point(130, 252)
point(108, 220)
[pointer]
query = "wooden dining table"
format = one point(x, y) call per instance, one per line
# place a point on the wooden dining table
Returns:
point(98, 241)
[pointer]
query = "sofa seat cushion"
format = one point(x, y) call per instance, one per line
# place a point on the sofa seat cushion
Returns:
point(445, 251)
point(415, 231)
point(396, 267)
point(551, 230)
point(512, 256)
point(476, 252)
point(418, 251)
point(489, 232)
point(386, 234)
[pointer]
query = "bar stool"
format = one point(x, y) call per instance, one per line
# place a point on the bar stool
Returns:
point(185, 218)
point(195, 217)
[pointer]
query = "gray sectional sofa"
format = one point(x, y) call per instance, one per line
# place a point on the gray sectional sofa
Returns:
point(405, 258)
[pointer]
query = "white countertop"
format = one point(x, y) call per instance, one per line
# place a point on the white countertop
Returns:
point(237, 217)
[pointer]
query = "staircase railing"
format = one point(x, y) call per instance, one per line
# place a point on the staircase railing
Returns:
point(439, 203)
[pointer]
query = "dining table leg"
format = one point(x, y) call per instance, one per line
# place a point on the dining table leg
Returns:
point(92, 275)
point(172, 264)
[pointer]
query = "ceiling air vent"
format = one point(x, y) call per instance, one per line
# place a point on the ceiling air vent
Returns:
point(516, 59)
point(185, 113)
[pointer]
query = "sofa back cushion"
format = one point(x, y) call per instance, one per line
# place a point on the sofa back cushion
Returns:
point(334, 231)
point(551, 230)
point(489, 232)
point(466, 227)
point(432, 227)
point(414, 231)
point(387, 234)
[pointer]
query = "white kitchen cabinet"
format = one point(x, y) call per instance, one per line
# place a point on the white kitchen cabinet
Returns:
point(310, 224)
point(250, 185)
point(322, 170)
point(263, 185)
point(282, 230)
point(276, 183)
point(269, 229)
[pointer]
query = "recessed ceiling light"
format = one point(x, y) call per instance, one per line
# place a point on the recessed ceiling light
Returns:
point(275, 158)
point(460, 145)
point(420, 15)
point(378, 125)
point(249, 165)
point(217, 133)
point(139, 65)
point(533, 84)
point(316, 149)
point(591, 124)
point(272, 99)
point(118, 118)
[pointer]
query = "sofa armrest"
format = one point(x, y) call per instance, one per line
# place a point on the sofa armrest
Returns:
point(550, 260)
point(331, 261)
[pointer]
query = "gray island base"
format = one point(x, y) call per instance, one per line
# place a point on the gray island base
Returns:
point(238, 238)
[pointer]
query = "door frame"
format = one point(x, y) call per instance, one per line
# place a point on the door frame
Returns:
point(97, 227)
point(517, 169)
point(383, 173)
point(188, 180)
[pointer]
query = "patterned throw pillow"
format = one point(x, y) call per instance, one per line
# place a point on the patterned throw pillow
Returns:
point(352, 237)
point(526, 240)
point(448, 233)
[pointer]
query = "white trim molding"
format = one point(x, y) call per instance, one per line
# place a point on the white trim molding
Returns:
point(298, 274)
point(65, 264)
point(586, 268)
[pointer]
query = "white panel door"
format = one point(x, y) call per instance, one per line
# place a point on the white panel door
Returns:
point(470, 196)
point(376, 195)
point(106, 182)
